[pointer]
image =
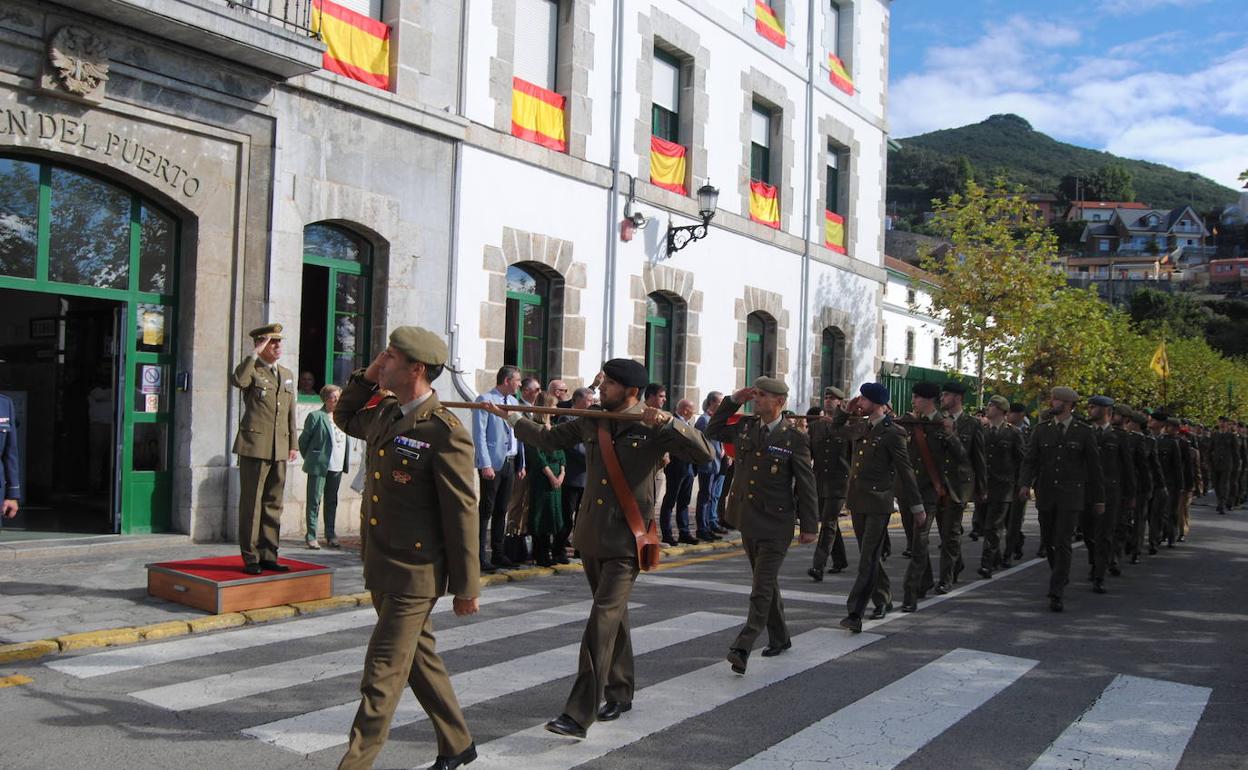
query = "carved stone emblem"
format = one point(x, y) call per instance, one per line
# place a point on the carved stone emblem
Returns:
point(79, 59)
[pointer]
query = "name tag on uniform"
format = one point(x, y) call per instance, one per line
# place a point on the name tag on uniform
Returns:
point(410, 443)
point(638, 437)
point(779, 451)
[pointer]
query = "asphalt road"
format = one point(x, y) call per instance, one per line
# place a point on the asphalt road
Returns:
point(1152, 675)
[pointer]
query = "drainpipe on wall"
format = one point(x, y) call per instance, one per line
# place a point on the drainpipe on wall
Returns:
point(464, 390)
point(803, 357)
point(617, 66)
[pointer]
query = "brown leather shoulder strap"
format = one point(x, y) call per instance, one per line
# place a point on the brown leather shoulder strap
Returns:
point(920, 438)
point(615, 474)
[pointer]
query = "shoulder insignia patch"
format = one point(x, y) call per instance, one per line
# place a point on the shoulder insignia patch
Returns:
point(447, 417)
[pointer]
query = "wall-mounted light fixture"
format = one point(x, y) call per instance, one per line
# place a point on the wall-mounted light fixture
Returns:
point(680, 237)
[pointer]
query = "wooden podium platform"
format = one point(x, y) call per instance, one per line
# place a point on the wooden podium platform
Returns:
point(220, 585)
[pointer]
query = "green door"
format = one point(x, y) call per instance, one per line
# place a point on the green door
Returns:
point(73, 235)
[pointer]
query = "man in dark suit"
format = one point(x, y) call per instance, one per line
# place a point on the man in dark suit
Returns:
point(1063, 464)
point(418, 534)
point(574, 479)
point(10, 480)
point(679, 491)
point(830, 449)
point(602, 535)
point(265, 443)
point(773, 485)
point(881, 466)
point(1003, 448)
point(500, 463)
point(710, 475)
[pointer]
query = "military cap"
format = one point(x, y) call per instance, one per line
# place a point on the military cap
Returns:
point(1223, 418)
point(1018, 408)
point(771, 385)
point(925, 389)
point(272, 331)
point(1124, 410)
point(834, 391)
point(1160, 415)
point(419, 344)
point(1100, 401)
point(953, 386)
point(627, 372)
point(1063, 393)
point(1141, 418)
point(1000, 402)
point(874, 392)
point(1173, 421)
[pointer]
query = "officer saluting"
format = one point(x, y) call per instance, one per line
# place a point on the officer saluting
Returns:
point(418, 533)
point(1063, 463)
point(264, 444)
point(601, 533)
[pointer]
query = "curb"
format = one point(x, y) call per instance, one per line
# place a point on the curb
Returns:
point(116, 637)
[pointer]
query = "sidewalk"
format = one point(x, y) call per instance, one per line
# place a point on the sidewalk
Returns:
point(50, 590)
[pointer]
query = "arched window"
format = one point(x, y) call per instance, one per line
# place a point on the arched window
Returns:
point(660, 347)
point(528, 321)
point(760, 347)
point(334, 310)
point(832, 358)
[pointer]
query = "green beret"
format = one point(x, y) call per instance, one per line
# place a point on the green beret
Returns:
point(834, 391)
point(419, 345)
point(1000, 402)
point(272, 331)
point(771, 385)
point(1062, 393)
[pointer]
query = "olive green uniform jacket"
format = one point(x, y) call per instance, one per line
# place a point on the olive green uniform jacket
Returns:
point(1003, 447)
point(1064, 470)
point(601, 531)
point(419, 514)
point(830, 449)
point(266, 430)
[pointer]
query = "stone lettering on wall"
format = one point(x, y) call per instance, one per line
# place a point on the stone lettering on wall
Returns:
point(51, 128)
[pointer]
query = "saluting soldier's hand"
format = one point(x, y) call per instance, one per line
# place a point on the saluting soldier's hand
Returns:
point(466, 606)
point(654, 418)
point(261, 344)
point(806, 538)
point(373, 372)
point(598, 378)
point(744, 395)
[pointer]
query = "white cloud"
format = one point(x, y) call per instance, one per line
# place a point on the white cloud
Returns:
point(1121, 7)
point(1119, 101)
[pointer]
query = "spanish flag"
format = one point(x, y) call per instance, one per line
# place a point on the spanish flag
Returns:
point(667, 165)
point(839, 75)
point(537, 115)
point(1161, 362)
point(767, 25)
point(355, 45)
point(764, 205)
point(834, 232)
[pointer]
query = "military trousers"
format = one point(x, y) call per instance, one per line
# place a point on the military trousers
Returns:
point(949, 523)
point(1222, 489)
point(1098, 532)
point(1161, 519)
point(996, 513)
point(1014, 536)
point(261, 485)
point(605, 666)
point(402, 651)
point(766, 607)
point(1057, 526)
point(1124, 529)
point(1140, 519)
point(1184, 514)
point(830, 541)
point(872, 581)
point(919, 579)
point(979, 517)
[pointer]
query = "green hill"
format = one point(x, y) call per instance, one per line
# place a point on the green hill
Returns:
point(931, 165)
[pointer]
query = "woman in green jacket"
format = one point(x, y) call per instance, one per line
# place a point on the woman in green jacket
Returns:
point(325, 449)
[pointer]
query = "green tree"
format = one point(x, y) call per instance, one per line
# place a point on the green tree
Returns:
point(1071, 342)
point(1151, 310)
point(996, 275)
point(1111, 182)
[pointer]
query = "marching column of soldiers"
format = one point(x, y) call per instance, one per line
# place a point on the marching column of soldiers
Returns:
point(1119, 479)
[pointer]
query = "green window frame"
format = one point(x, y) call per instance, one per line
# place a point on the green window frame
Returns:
point(527, 322)
point(833, 189)
point(665, 123)
point(660, 350)
point(760, 154)
point(334, 332)
point(832, 358)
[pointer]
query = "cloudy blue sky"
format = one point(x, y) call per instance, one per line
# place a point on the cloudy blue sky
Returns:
point(1159, 80)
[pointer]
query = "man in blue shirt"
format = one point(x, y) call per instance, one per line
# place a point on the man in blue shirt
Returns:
point(9, 478)
point(499, 463)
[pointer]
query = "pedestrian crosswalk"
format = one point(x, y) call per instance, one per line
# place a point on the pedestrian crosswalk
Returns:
point(1134, 721)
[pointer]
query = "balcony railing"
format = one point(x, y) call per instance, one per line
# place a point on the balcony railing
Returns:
point(292, 15)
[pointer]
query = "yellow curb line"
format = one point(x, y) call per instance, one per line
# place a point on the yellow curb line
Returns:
point(112, 637)
point(14, 681)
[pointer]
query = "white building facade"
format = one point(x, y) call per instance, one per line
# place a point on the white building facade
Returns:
point(259, 187)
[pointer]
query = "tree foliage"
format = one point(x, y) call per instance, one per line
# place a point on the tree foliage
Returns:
point(1152, 310)
point(999, 262)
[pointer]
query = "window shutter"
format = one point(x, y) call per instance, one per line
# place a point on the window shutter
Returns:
point(537, 25)
point(832, 29)
point(369, 8)
point(666, 84)
point(760, 128)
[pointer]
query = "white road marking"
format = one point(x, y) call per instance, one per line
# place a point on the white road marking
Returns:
point(883, 729)
point(733, 588)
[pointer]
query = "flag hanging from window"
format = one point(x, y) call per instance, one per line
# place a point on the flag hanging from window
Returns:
point(537, 115)
point(839, 75)
point(667, 165)
point(764, 205)
point(355, 45)
point(1161, 362)
point(767, 25)
point(834, 231)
